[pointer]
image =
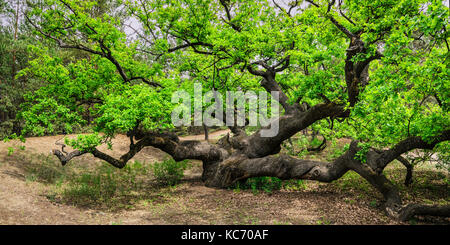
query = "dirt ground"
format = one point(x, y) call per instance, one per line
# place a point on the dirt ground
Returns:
point(24, 201)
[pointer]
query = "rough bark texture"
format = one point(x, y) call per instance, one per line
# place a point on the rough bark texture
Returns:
point(416, 209)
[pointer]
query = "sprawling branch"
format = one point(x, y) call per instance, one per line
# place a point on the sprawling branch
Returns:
point(344, 30)
point(290, 124)
point(228, 13)
point(64, 158)
point(356, 73)
point(167, 143)
point(408, 144)
point(269, 83)
point(409, 170)
point(411, 210)
point(105, 51)
point(151, 83)
point(239, 167)
point(188, 44)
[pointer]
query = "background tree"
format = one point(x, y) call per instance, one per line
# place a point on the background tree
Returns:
point(13, 57)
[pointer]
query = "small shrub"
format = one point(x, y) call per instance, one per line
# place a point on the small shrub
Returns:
point(269, 184)
point(315, 143)
point(169, 172)
point(10, 151)
point(104, 185)
point(91, 188)
point(45, 169)
point(266, 184)
point(336, 151)
point(323, 221)
point(295, 185)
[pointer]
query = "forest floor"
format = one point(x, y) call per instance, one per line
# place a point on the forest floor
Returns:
point(36, 189)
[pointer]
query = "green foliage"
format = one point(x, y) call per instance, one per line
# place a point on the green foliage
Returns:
point(269, 185)
point(443, 155)
point(12, 89)
point(323, 221)
point(361, 155)
point(169, 172)
point(103, 186)
point(295, 185)
point(335, 151)
point(92, 187)
point(10, 151)
point(139, 103)
point(85, 142)
point(46, 169)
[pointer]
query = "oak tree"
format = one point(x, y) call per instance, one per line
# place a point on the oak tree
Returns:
point(371, 70)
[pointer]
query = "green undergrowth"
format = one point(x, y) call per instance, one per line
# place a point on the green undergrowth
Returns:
point(101, 185)
point(268, 185)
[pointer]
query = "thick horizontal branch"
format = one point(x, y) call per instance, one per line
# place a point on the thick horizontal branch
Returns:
point(411, 210)
point(408, 144)
point(239, 167)
point(178, 150)
point(286, 167)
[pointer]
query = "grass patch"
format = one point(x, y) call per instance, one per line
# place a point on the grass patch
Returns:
point(323, 221)
point(269, 185)
point(256, 184)
point(352, 181)
point(169, 172)
point(45, 169)
point(104, 186)
point(101, 185)
point(110, 188)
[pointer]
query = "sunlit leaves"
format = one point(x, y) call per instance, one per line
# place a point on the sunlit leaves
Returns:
point(123, 110)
